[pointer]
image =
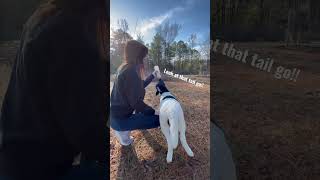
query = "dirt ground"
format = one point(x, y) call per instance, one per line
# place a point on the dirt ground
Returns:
point(146, 158)
point(273, 126)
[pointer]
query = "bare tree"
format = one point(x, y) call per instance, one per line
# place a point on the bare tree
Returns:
point(168, 33)
point(124, 27)
point(140, 38)
point(192, 43)
point(205, 52)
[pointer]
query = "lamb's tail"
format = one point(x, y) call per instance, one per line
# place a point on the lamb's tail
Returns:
point(174, 132)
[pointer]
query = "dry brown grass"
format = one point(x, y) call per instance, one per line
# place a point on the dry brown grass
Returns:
point(272, 125)
point(146, 158)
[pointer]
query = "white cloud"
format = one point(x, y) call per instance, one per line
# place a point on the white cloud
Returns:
point(153, 22)
point(147, 27)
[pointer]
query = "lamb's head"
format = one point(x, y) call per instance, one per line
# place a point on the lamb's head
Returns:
point(161, 87)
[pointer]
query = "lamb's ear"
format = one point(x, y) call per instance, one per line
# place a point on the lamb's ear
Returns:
point(158, 90)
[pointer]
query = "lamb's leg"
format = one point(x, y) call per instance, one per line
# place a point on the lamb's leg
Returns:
point(166, 131)
point(184, 143)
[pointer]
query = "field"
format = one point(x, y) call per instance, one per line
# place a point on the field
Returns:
point(146, 158)
point(272, 125)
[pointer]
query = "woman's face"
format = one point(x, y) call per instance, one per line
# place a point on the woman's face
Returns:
point(140, 70)
point(143, 63)
point(146, 60)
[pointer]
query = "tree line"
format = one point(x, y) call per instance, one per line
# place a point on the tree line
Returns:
point(290, 21)
point(190, 57)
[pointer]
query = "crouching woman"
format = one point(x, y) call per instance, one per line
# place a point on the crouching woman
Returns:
point(127, 110)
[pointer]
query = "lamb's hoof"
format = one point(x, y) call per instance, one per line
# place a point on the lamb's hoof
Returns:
point(169, 159)
point(190, 154)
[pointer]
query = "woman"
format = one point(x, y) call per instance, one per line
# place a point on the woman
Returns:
point(54, 107)
point(128, 93)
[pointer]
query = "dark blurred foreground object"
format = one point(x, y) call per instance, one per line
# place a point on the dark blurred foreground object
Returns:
point(87, 170)
point(222, 165)
point(54, 107)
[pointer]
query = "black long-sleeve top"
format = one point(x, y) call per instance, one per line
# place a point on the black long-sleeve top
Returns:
point(128, 93)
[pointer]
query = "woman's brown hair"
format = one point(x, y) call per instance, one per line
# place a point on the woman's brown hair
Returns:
point(134, 53)
point(98, 15)
point(93, 14)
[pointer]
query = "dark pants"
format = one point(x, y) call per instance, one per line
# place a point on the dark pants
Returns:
point(134, 122)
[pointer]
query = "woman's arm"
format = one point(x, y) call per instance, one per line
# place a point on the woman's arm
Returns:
point(135, 93)
point(148, 80)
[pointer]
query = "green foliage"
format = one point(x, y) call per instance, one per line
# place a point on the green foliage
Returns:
point(181, 57)
point(155, 51)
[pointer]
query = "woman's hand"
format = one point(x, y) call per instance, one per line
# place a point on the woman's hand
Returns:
point(156, 73)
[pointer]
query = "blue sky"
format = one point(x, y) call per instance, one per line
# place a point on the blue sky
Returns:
point(145, 15)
